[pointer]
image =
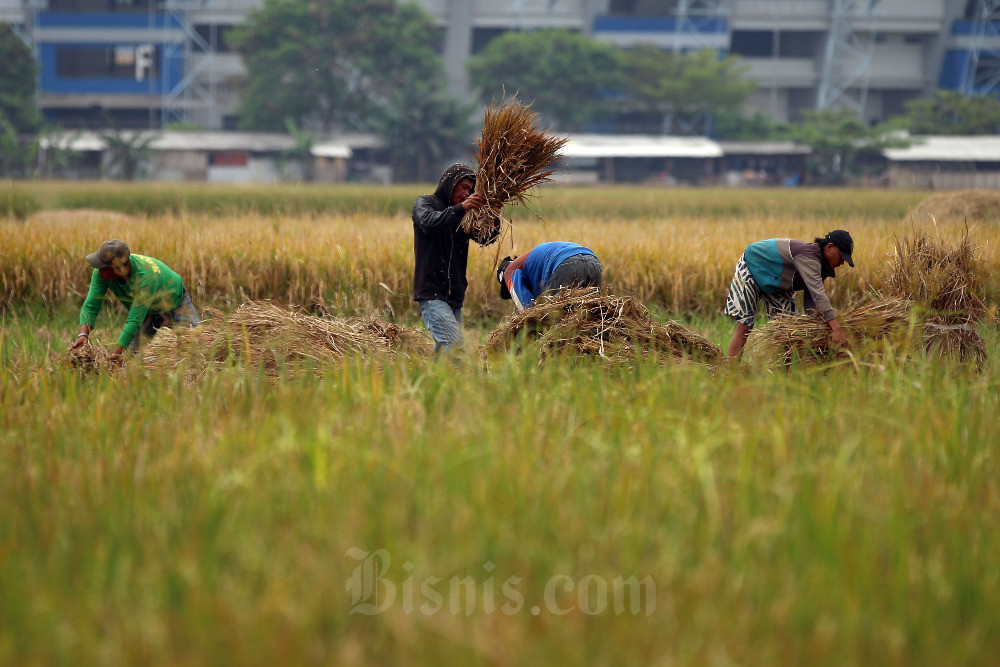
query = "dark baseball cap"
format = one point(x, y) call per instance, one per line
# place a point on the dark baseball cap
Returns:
point(112, 252)
point(844, 243)
point(504, 263)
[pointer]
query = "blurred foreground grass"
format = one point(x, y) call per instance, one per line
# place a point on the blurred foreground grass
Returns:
point(840, 515)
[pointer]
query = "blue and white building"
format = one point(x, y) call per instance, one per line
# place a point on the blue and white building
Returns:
point(145, 63)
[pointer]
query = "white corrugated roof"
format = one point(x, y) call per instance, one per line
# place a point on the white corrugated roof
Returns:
point(329, 149)
point(948, 149)
point(627, 145)
point(259, 142)
point(763, 148)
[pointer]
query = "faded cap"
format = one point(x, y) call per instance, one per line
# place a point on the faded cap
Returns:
point(111, 253)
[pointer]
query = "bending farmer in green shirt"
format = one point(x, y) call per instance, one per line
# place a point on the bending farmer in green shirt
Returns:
point(152, 292)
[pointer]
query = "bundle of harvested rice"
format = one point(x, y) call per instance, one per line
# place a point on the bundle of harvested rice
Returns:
point(93, 358)
point(960, 206)
point(808, 336)
point(937, 277)
point(273, 336)
point(513, 156)
point(943, 283)
point(954, 338)
point(586, 322)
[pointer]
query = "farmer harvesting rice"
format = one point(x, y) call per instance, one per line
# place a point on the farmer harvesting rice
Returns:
point(546, 268)
point(153, 294)
point(773, 270)
point(441, 252)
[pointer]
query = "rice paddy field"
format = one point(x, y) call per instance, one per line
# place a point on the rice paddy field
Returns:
point(393, 508)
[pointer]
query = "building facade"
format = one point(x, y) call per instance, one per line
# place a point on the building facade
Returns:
point(147, 63)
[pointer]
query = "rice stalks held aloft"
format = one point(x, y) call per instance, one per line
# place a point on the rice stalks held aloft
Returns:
point(584, 322)
point(809, 337)
point(275, 337)
point(513, 157)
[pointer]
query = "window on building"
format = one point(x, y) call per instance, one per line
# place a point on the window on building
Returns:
point(216, 36)
point(753, 43)
point(229, 158)
point(99, 5)
point(658, 8)
point(136, 62)
point(800, 44)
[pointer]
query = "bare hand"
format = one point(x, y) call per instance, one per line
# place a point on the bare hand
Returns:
point(839, 337)
point(474, 201)
point(79, 342)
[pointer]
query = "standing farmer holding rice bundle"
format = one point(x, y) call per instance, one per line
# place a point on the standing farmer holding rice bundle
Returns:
point(773, 270)
point(152, 292)
point(441, 252)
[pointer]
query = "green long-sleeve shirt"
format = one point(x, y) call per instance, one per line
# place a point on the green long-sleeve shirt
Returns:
point(151, 287)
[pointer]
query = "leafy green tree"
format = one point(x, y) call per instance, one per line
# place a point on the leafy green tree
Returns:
point(842, 145)
point(734, 125)
point(128, 153)
point(18, 154)
point(329, 63)
point(950, 112)
point(302, 152)
point(426, 127)
point(567, 77)
point(17, 84)
point(685, 90)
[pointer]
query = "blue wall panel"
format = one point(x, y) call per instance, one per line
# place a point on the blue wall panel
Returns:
point(86, 20)
point(171, 69)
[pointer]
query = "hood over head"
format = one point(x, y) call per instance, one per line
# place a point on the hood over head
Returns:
point(450, 178)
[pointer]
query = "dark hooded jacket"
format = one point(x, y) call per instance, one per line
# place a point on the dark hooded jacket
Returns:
point(440, 248)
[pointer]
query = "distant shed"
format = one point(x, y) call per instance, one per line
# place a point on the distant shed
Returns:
point(946, 163)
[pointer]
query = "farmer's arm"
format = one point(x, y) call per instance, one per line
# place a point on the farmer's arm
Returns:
point(815, 297)
point(431, 221)
point(91, 308)
point(136, 316)
point(519, 291)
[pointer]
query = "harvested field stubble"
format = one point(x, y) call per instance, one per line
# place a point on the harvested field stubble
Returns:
point(585, 322)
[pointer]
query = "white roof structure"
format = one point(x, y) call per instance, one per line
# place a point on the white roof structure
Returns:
point(632, 146)
point(763, 148)
point(256, 142)
point(948, 149)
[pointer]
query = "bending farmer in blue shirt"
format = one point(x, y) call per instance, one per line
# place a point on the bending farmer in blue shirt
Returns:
point(546, 268)
point(773, 270)
point(152, 292)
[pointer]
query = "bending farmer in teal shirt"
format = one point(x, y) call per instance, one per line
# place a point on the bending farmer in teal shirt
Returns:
point(152, 292)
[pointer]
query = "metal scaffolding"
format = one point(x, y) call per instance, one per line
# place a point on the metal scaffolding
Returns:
point(847, 58)
point(983, 74)
point(690, 12)
point(189, 92)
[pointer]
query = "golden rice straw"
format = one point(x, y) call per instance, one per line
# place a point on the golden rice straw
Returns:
point(513, 157)
point(937, 277)
point(273, 336)
point(875, 318)
point(585, 322)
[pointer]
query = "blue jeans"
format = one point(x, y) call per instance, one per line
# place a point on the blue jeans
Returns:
point(184, 315)
point(444, 323)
